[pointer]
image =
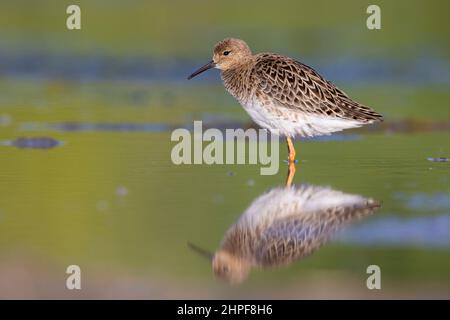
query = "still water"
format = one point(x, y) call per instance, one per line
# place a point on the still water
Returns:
point(87, 179)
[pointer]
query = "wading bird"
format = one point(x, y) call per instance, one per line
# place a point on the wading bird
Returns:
point(284, 225)
point(285, 96)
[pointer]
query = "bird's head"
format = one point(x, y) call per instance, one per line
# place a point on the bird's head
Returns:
point(228, 54)
point(230, 268)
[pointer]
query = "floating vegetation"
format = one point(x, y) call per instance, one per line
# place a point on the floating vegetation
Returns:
point(126, 127)
point(439, 159)
point(33, 143)
point(97, 127)
point(389, 127)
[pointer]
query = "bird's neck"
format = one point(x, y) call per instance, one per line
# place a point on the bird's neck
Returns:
point(236, 81)
point(242, 242)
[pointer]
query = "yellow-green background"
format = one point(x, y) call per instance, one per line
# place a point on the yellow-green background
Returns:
point(61, 207)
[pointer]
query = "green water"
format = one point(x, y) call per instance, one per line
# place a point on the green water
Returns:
point(110, 200)
point(113, 202)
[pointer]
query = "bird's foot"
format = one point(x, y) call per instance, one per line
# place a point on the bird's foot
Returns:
point(289, 161)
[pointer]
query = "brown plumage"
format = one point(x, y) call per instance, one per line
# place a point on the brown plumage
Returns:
point(285, 96)
point(295, 85)
point(284, 225)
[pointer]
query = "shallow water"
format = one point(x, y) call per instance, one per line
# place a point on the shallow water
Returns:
point(110, 200)
point(86, 176)
point(85, 169)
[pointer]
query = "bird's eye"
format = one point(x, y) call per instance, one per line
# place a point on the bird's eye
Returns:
point(225, 53)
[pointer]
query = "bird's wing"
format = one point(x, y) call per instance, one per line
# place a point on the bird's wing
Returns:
point(284, 81)
point(294, 237)
point(289, 239)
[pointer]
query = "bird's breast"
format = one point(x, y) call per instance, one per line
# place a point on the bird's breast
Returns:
point(238, 85)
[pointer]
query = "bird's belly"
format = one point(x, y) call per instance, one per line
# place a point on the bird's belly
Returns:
point(261, 115)
point(290, 122)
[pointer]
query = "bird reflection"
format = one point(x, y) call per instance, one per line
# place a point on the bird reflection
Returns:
point(284, 225)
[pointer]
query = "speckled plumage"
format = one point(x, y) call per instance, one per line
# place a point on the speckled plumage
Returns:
point(284, 225)
point(286, 96)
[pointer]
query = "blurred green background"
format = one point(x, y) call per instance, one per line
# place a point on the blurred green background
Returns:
point(110, 200)
point(176, 28)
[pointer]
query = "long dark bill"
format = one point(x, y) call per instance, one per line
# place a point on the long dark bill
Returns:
point(202, 252)
point(207, 66)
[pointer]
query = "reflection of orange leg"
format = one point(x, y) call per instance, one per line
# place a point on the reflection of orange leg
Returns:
point(291, 174)
point(291, 160)
point(291, 150)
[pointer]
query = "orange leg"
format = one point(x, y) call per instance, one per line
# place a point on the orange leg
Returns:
point(291, 160)
point(291, 174)
point(291, 150)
